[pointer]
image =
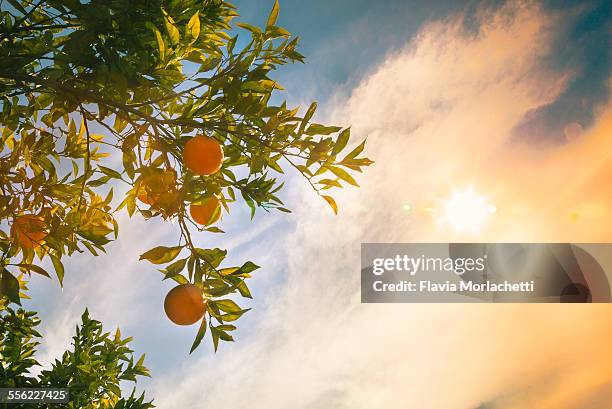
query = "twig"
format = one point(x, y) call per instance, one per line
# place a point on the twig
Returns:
point(87, 157)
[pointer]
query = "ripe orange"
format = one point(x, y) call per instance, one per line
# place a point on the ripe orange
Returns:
point(185, 304)
point(29, 231)
point(206, 213)
point(203, 155)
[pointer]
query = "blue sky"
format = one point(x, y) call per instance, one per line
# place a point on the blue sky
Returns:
point(446, 91)
point(343, 39)
point(583, 45)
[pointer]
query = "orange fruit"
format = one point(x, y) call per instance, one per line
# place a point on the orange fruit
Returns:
point(185, 304)
point(29, 231)
point(203, 155)
point(206, 213)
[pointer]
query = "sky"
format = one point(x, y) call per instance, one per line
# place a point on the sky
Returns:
point(510, 99)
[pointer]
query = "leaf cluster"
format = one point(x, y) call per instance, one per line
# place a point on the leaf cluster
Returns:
point(93, 369)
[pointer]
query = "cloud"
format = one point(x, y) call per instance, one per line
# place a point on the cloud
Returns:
point(439, 115)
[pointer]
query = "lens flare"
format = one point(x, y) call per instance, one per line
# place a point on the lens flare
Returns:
point(466, 211)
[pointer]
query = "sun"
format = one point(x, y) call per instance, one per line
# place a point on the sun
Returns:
point(466, 212)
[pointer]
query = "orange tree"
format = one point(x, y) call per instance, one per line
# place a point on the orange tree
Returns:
point(93, 369)
point(140, 80)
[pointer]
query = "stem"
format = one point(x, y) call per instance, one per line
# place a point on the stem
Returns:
point(87, 157)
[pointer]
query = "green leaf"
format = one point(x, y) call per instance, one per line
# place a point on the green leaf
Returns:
point(343, 174)
point(343, 139)
point(160, 45)
point(252, 29)
point(215, 336)
point(109, 172)
point(175, 268)
point(240, 285)
point(228, 306)
point(276, 32)
point(199, 335)
point(209, 64)
point(330, 182)
point(59, 268)
point(353, 154)
point(34, 268)
point(260, 86)
point(332, 203)
point(161, 254)
point(309, 113)
point(273, 14)
point(193, 27)
point(180, 279)
point(219, 291)
point(318, 129)
point(248, 267)
point(212, 257)
point(243, 271)
point(9, 286)
point(120, 123)
point(231, 317)
point(173, 32)
point(214, 229)
point(224, 335)
point(140, 361)
point(90, 247)
point(228, 271)
point(249, 201)
point(96, 234)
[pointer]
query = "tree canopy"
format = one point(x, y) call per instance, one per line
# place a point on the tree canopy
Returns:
point(93, 369)
point(105, 93)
